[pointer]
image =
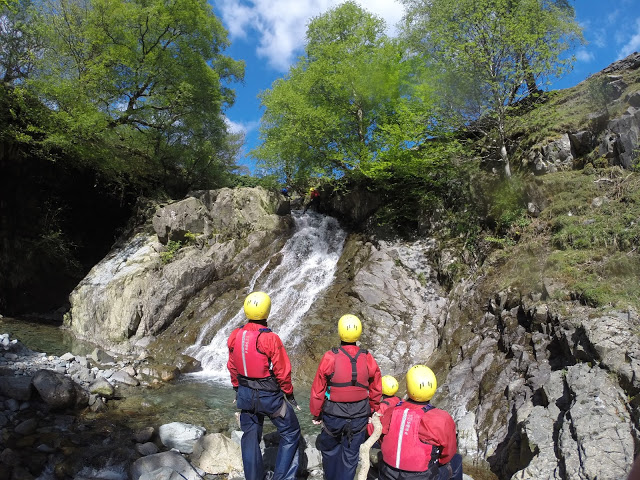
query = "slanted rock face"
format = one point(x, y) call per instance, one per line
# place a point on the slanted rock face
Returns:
point(619, 144)
point(132, 294)
point(392, 288)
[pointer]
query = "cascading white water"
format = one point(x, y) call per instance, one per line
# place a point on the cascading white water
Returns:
point(308, 264)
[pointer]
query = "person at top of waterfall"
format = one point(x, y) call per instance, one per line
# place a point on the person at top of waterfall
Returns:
point(261, 375)
point(419, 440)
point(285, 192)
point(314, 200)
point(389, 389)
point(346, 390)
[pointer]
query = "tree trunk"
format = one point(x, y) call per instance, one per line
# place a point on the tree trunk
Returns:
point(503, 151)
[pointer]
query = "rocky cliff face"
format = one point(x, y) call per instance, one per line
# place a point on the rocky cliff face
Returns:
point(538, 388)
point(208, 238)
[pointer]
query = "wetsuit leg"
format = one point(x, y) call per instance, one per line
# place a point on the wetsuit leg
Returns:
point(355, 433)
point(251, 424)
point(329, 442)
point(287, 459)
point(456, 469)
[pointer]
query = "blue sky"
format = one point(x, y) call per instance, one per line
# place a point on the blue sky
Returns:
point(269, 35)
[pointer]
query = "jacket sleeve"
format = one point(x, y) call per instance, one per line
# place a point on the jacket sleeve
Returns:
point(375, 383)
point(386, 420)
point(233, 371)
point(438, 428)
point(273, 347)
point(319, 385)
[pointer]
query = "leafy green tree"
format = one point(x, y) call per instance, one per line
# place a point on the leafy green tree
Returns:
point(19, 43)
point(490, 53)
point(323, 117)
point(139, 86)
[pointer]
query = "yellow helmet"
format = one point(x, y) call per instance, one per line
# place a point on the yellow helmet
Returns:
point(349, 328)
point(257, 306)
point(389, 385)
point(421, 383)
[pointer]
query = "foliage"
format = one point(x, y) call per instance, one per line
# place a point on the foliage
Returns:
point(491, 53)
point(584, 241)
point(170, 252)
point(18, 42)
point(326, 117)
point(134, 89)
point(600, 92)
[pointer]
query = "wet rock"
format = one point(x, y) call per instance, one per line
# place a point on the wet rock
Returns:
point(216, 454)
point(17, 388)
point(165, 460)
point(147, 448)
point(181, 436)
point(27, 427)
point(144, 435)
point(102, 387)
point(59, 391)
point(123, 377)
point(67, 357)
point(9, 457)
point(312, 456)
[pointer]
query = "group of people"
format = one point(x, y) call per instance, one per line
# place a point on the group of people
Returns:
point(313, 201)
point(418, 441)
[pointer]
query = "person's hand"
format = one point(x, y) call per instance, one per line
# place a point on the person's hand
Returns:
point(292, 400)
point(316, 420)
point(236, 397)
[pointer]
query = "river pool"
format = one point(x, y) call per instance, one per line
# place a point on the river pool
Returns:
point(191, 399)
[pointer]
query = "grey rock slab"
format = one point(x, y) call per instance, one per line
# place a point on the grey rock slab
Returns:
point(181, 436)
point(173, 460)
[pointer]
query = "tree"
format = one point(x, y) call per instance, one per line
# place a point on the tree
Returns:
point(488, 50)
point(19, 44)
point(139, 86)
point(322, 118)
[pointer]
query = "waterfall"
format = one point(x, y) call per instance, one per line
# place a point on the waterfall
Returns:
point(307, 267)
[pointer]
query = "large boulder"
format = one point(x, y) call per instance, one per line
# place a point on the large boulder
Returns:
point(217, 454)
point(59, 391)
point(163, 466)
point(181, 436)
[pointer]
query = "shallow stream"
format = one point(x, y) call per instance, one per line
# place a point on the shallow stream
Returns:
point(193, 399)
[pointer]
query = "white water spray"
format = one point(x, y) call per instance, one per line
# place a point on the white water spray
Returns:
point(308, 265)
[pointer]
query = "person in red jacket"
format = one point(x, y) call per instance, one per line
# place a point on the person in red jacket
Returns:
point(345, 392)
point(261, 375)
point(314, 200)
point(419, 440)
point(389, 388)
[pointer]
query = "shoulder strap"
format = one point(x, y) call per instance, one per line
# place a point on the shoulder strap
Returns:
point(354, 370)
point(261, 331)
point(427, 407)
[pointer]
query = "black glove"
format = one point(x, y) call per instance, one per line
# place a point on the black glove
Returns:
point(291, 399)
point(236, 390)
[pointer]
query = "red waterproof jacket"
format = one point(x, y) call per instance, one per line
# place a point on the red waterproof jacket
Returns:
point(386, 403)
point(436, 428)
point(368, 374)
point(267, 350)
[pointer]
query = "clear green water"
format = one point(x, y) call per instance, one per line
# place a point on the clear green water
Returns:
point(44, 338)
point(190, 399)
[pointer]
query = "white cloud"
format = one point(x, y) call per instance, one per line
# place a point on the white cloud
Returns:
point(239, 127)
point(585, 56)
point(633, 44)
point(280, 25)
